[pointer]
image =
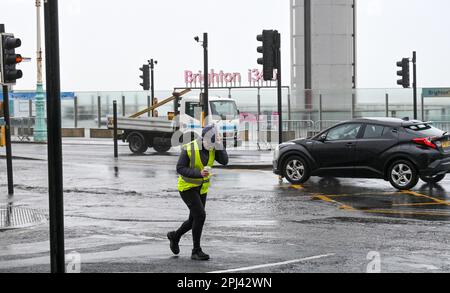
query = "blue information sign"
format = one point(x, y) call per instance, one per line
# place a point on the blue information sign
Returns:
point(436, 92)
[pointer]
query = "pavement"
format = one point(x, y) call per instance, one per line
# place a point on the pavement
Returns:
point(118, 212)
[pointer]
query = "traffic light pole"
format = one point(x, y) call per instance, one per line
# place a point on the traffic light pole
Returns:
point(116, 145)
point(152, 80)
point(55, 168)
point(280, 99)
point(206, 80)
point(414, 61)
point(9, 166)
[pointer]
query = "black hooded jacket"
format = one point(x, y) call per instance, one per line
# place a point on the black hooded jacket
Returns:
point(184, 163)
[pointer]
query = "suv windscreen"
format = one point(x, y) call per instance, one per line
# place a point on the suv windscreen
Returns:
point(424, 130)
point(344, 132)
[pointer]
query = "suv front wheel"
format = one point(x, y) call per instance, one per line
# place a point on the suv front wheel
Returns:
point(403, 175)
point(296, 170)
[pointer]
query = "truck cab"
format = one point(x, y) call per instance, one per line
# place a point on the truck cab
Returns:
point(223, 112)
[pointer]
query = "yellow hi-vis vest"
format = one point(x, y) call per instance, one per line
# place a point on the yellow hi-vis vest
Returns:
point(193, 153)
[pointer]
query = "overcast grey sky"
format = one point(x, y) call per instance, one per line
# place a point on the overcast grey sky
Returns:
point(104, 42)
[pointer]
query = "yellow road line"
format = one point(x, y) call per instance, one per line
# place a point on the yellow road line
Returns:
point(397, 212)
point(392, 212)
point(443, 202)
point(362, 194)
point(417, 204)
point(297, 186)
point(329, 200)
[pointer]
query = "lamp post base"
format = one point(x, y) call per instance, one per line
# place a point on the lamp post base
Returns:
point(40, 129)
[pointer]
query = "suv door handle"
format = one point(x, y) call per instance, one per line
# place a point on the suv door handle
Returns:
point(351, 144)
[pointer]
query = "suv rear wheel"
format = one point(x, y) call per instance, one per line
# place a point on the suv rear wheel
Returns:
point(403, 175)
point(295, 170)
point(433, 179)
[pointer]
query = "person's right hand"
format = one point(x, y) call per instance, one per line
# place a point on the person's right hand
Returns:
point(205, 174)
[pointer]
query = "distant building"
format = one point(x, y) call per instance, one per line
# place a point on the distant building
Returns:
point(323, 48)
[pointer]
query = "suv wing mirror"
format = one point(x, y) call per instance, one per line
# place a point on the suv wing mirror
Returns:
point(323, 138)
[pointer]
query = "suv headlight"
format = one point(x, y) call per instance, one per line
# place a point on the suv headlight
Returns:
point(276, 153)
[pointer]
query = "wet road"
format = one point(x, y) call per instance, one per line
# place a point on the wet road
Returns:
point(118, 213)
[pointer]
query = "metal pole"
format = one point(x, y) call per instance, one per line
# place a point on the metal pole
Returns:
point(355, 49)
point(9, 166)
point(423, 107)
point(116, 150)
point(40, 131)
point(149, 104)
point(280, 98)
point(55, 168)
point(415, 83)
point(289, 105)
point(99, 111)
point(30, 108)
point(124, 113)
point(387, 105)
point(320, 112)
point(75, 111)
point(353, 106)
point(152, 89)
point(206, 79)
point(258, 119)
point(308, 53)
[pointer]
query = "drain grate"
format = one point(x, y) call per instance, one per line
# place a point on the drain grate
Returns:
point(12, 217)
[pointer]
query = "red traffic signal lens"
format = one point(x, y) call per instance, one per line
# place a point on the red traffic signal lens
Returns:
point(19, 58)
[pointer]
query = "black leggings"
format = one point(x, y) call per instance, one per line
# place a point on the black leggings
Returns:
point(196, 204)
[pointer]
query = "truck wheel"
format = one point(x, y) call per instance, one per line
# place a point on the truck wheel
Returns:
point(137, 143)
point(160, 148)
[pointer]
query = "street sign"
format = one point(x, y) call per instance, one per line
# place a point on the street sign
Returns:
point(436, 92)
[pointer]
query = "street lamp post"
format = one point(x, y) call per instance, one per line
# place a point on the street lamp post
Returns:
point(40, 131)
point(205, 112)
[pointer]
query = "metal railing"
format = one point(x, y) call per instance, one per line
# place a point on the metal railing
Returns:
point(299, 128)
point(443, 125)
point(325, 124)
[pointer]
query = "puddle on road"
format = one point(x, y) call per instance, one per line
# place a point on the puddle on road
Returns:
point(429, 203)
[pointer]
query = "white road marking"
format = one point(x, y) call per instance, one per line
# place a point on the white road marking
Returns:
point(272, 265)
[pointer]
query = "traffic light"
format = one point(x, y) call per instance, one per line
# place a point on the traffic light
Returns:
point(404, 73)
point(270, 47)
point(9, 59)
point(145, 77)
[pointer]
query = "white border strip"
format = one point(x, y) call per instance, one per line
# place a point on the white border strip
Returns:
point(273, 264)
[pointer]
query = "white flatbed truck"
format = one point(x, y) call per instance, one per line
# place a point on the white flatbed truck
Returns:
point(178, 127)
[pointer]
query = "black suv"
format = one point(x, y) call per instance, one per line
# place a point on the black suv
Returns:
point(396, 150)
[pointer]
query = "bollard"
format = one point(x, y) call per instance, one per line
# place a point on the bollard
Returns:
point(75, 111)
point(9, 165)
point(99, 111)
point(116, 150)
point(123, 107)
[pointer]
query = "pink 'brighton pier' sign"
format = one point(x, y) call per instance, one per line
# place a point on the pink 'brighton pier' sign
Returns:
point(224, 79)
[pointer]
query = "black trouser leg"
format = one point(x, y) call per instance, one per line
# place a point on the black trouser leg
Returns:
point(196, 204)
